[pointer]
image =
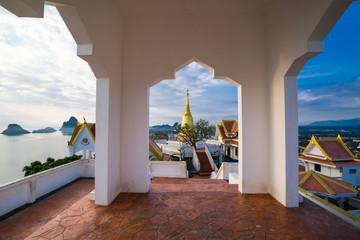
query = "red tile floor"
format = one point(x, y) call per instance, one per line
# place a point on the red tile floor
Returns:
point(181, 209)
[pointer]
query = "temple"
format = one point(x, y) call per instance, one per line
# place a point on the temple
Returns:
point(326, 187)
point(332, 158)
point(227, 134)
point(83, 139)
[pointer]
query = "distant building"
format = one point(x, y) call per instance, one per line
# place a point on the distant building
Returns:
point(227, 134)
point(331, 157)
point(187, 119)
point(326, 187)
point(83, 138)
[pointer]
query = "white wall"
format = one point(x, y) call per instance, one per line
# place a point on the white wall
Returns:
point(26, 190)
point(156, 45)
point(295, 31)
point(328, 171)
point(353, 178)
point(225, 169)
point(175, 169)
point(97, 29)
point(78, 146)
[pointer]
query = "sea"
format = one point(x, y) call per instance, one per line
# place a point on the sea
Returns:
point(19, 151)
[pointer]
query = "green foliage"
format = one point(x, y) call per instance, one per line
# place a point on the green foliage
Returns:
point(160, 135)
point(50, 160)
point(201, 131)
point(226, 157)
point(153, 158)
point(37, 166)
point(35, 163)
point(217, 161)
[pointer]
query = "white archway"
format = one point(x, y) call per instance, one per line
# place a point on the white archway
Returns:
point(227, 79)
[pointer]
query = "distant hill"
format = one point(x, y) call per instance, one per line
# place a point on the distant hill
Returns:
point(163, 127)
point(45, 130)
point(68, 126)
point(355, 122)
point(14, 129)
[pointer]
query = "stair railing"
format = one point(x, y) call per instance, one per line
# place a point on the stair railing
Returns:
point(195, 160)
point(211, 160)
point(220, 173)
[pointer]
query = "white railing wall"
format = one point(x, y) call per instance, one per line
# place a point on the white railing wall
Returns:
point(211, 160)
point(171, 169)
point(26, 190)
point(225, 169)
point(195, 160)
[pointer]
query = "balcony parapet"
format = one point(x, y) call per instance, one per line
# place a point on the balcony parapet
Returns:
point(26, 190)
point(171, 169)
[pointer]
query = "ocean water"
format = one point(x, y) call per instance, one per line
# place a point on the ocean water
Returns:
point(18, 151)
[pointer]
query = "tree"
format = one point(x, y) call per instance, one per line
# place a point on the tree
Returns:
point(37, 166)
point(160, 135)
point(201, 131)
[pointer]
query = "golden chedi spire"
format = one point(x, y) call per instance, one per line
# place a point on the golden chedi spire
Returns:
point(187, 118)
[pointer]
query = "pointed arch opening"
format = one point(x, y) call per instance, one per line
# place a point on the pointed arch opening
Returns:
point(215, 99)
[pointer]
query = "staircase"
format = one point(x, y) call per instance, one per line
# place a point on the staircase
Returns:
point(205, 167)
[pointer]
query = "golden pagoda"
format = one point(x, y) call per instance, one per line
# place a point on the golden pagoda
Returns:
point(187, 118)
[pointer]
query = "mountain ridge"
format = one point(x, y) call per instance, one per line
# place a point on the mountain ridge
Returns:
point(45, 130)
point(353, 122)
point(14, 130)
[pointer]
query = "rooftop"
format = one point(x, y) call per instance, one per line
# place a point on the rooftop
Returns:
point(315, 182)
point(173, 209)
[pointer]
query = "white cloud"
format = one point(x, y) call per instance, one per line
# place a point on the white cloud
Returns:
point(39, 69)
point(209, 99)
point(308, 96)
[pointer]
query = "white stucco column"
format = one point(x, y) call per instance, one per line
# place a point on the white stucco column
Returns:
point(291, 41)
point(102, 142)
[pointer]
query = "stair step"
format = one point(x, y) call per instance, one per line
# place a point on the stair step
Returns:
point(205, 166)
point(204, 173)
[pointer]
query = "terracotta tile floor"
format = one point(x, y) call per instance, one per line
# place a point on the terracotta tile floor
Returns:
point(25, 222)
point(193, 209)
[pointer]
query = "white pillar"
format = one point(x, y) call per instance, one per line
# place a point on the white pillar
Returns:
point(102, 146)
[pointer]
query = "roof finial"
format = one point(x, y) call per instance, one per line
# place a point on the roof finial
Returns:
point(187, 108)
point(84, 119)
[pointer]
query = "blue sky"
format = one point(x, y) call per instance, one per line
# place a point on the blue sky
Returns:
point(43, 82)
point(329, 84)
point(209, 98)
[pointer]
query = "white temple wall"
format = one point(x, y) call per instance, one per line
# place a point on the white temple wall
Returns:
point(154, 46)
point(78, 146)
point(295, 32)
point(97, 29)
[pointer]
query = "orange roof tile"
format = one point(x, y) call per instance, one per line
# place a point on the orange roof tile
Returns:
point(334, 149)
point(228, 125)
point(315, 182)
point(228, 129)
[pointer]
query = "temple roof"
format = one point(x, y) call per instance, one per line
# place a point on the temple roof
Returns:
point(77, 130)
point(228, 129)
point(328, 149)
point(315, 182)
